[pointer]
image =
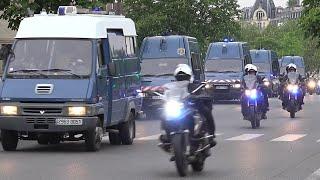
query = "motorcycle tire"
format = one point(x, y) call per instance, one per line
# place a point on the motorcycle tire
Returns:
point(292, 114)
point(253, 118)
point(179, 149)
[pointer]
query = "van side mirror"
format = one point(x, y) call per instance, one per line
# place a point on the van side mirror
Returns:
point(112, 69)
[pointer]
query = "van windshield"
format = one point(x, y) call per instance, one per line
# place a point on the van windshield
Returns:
point(52, 57)
point(260, 57)
point(160, 67)
point(223, 66)
point(224, 51)
point(290, 59)
point(163, 47)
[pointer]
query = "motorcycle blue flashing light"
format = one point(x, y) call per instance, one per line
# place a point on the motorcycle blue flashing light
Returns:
point(173, 109)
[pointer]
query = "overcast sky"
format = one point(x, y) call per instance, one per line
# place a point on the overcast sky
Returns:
point(248, 3)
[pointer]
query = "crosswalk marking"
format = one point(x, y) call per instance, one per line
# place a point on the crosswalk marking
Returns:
point(244, 137)
point(289, 137)
point(314, 176)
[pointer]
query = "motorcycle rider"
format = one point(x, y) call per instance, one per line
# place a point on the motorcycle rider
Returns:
point(183, 72)
point(291, 68)
point(251, 69)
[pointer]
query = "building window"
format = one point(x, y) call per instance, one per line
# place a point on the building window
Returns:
point(260, 15)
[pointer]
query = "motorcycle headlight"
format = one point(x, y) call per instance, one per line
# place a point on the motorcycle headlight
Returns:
point(77, 111)
point(173, 109)
point(312, 84)
point(9, 110)
point(251, 93)
point(293, 88)
point(237, 86)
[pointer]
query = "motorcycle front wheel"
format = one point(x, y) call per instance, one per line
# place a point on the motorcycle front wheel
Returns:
point(179, 148)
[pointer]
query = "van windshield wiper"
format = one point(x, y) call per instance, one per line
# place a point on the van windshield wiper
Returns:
point(33, 71)
point(67, 71)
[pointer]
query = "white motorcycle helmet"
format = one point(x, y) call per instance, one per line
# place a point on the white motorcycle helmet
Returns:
point(250, 67)
point(291, 66)
point(183, 70)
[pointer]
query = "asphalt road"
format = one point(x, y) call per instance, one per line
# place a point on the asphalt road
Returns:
point(281, 149)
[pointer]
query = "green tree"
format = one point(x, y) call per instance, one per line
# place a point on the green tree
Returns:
point(207, 20)
point(15, 10)
point(310, 20)
point(287, 39)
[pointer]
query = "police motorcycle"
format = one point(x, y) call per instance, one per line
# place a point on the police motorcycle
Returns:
point(187, 138)
point(293, 91)
point(311, 85)
point(253, 98)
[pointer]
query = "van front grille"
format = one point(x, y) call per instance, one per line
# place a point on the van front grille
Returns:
point(42, 111)
point(40, 120)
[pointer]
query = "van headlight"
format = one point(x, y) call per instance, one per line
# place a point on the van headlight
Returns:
point(9, 110)
point(237, 86)
point(173, 109)
point(77, 111)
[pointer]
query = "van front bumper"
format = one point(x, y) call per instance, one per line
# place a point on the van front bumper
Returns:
point(45, 124)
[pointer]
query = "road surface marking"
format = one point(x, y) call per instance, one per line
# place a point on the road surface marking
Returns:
point(289, 137)
point(318, 140)
point(148, 138)
point(314, 176)
point(244, 137)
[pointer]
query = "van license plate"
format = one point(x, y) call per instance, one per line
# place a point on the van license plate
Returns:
point(69, 122)
point(222, 87)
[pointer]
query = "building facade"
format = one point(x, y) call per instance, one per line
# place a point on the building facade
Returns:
point(264, 12)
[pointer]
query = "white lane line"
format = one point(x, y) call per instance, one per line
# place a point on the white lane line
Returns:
point(244, 137)
point(318, 140)
point(156, 137)
point(314, 176)
point(148, 138)
point(289, 137)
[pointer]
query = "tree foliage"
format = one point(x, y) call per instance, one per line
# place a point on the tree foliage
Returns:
point(15, 10)
point(310, 20)
point(287, 39)
point(207, 20)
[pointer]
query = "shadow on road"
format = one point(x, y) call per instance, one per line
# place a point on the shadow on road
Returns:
point(67, 147)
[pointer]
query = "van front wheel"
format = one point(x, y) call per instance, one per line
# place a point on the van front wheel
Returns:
point(127, 130)
point(9, 140)
point(93, 138)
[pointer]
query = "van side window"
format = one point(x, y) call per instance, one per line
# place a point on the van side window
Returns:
point(130, 47)
point(117, 44)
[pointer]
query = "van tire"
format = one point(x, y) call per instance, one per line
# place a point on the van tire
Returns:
point(93, 138)
point(9, 140)
point(127, 130)
point(114, 138)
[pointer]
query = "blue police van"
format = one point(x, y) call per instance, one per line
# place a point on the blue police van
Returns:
point(224, 68)
point(160, 56)
point(71, 77)
point(269, 68)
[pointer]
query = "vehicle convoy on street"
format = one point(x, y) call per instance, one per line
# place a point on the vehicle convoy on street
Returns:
point(159, 57)
point(224, 68)
point(71, 77)
point(268, 67)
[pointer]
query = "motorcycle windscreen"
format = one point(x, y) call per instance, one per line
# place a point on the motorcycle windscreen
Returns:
point(250, 81)
point(293, 77)
point(176, 90)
